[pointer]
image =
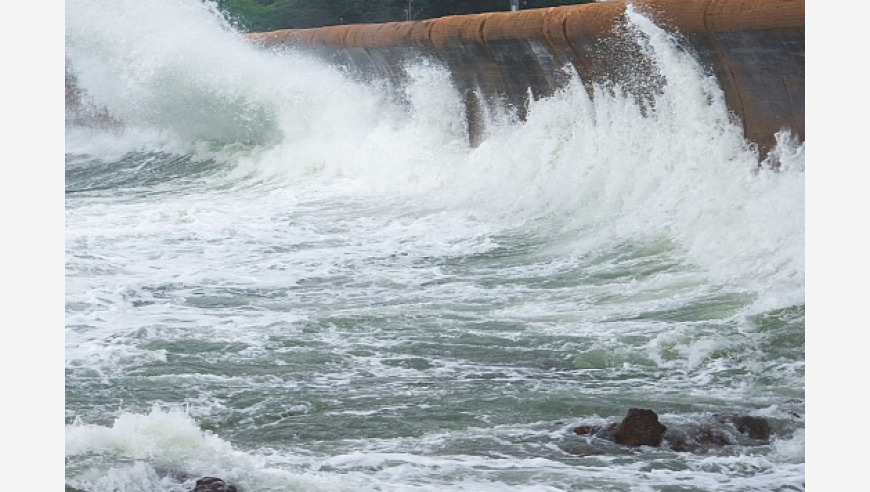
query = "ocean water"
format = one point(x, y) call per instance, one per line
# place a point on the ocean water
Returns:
point(295, 281)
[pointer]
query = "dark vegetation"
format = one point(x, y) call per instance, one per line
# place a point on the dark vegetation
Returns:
point(270, 15)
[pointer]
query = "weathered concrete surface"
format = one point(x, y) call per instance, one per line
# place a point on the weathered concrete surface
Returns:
point(755, 48)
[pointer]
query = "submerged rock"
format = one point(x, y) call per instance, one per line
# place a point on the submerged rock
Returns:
point(754, 427)
point(585, 430)
point(213, 484)
point(697, 440)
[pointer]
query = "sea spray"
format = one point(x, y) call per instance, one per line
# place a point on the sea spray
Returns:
point(166, 450)
point(344, 294)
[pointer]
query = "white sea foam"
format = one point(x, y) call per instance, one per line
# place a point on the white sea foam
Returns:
point(338, 203)
point(166, 450)
point(596, 166)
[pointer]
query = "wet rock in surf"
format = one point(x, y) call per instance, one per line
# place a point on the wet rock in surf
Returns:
point(603, 432)
point(640, 427)
point(213, 484)
point(754, 427)
point(587, 430)
point(698, 440)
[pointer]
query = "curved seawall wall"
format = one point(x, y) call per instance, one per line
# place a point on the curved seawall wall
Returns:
point(755, 48)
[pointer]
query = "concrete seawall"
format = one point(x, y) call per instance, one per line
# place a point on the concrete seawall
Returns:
point(755, 48)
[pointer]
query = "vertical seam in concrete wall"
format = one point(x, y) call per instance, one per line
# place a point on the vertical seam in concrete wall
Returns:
point(480, 32)
point(428, 31)
point(787, 95)
point(378, 35)
point(706, 15)
point(574, 53)
point(717, 47)
point(345, 34)
point(791, 98)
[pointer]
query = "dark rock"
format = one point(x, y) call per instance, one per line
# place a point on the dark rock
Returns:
point(696, 439)
point(708, 435)
point(679, 443)
point(754, 427)
point(213, 484)
point(597, 431)
point(641, 427)
point(585, 430)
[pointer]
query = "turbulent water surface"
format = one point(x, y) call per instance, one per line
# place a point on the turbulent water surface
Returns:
point(298, 282)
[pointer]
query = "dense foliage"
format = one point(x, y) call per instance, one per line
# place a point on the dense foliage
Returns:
point(267, 15)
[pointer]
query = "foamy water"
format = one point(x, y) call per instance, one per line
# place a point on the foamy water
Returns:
point(294, 281)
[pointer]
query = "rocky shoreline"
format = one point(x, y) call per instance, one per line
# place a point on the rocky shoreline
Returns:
point(640, 427)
